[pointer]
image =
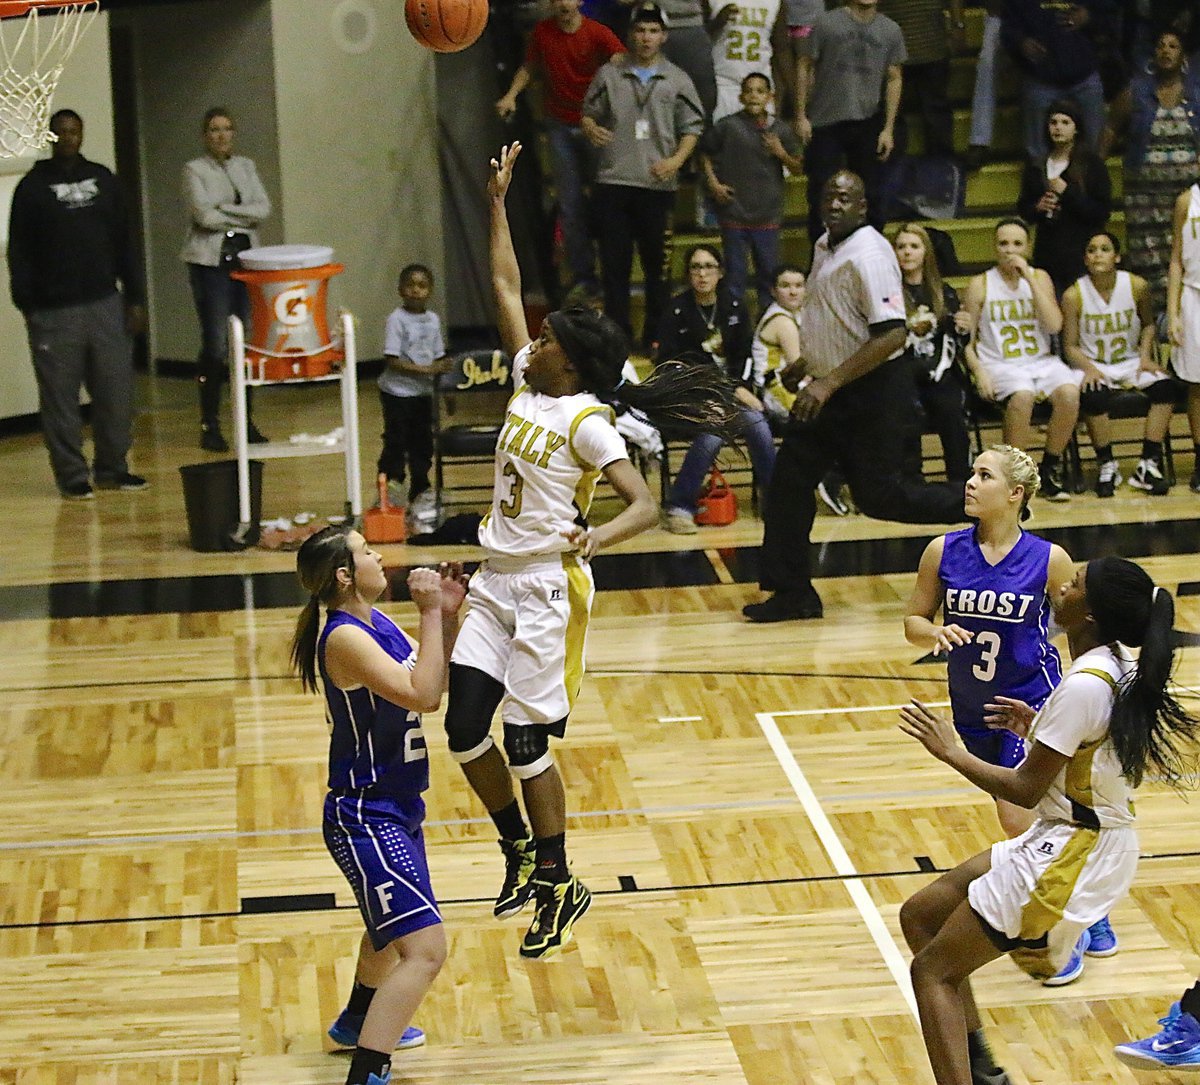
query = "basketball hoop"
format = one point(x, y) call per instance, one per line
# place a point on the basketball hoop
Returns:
point(36, 38)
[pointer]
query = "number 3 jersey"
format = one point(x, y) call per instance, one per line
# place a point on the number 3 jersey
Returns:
point(549, 456)
point(1006, 608)
point(374, 743)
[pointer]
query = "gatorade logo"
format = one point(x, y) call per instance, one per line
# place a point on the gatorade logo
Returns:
point(291, 306)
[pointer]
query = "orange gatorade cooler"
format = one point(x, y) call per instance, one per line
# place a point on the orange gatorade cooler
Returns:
point(717, 505)
point(288, 337)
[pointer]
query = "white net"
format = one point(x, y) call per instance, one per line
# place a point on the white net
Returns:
point(33, 50)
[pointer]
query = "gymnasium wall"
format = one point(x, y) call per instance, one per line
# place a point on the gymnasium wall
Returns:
point(335, 103)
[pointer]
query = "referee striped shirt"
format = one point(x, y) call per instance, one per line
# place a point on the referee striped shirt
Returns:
point(853, 287)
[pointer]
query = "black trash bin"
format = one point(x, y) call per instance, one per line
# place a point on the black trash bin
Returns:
point(210, 495)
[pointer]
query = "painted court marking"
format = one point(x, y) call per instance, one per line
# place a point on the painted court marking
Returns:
point(892, 957)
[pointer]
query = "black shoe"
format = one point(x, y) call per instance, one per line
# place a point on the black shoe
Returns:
point(518, 877)
point(123, 482)
point(786, 606)
point(1052, 488)
point(829, 490)
point(77, 491)
point(254, 435)
point(994, 1076)
point(211, 438)
point(559, 905)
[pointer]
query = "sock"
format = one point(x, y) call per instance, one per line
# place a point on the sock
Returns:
point(1152, 450)
point(367, 1062)
point(1050, 461)
point(1104, 453)
point(1190, 1003)
point(509, 823)
point(360, 999)
point(980, 1051)
point(552, 859)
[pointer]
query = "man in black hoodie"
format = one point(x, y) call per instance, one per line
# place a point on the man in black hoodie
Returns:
point(68, 245)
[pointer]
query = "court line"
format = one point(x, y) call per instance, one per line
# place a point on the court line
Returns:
point(892, 957)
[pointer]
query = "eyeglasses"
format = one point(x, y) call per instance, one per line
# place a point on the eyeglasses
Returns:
point(704, 267)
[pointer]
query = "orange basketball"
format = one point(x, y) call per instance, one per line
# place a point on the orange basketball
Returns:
point(446, 26)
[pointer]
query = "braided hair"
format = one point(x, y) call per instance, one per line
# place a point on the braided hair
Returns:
point(317, 565)
point(1147, 722)
point(680, 398)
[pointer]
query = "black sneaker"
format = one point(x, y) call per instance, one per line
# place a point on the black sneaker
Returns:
point(829, 490)
point(212, 439)
point(559, 905)
point(126, 482)
point(1149, 477)
point(255, 436)
point(77, 491)
point(786, 606)
point(518, 877)
point(1109, 479)
point(1194, 483)
point(1052, 488)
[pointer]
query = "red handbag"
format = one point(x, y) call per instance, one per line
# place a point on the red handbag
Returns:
point(717, 505)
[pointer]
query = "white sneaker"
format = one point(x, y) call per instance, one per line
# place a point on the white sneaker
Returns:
point(424, 504)
point(1149, 477)
point(679, 522)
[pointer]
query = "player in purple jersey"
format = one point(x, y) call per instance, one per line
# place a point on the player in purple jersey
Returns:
point(376, 684)
point(993, 583)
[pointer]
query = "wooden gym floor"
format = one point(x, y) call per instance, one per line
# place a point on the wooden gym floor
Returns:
point(743, 807)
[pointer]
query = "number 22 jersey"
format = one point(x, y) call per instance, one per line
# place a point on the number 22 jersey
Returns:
point(1006, 608)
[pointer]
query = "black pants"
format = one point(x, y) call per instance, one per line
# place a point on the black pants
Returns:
point(407, 436)
point(626, 217)
point(925, 93)
point(864, 429)
point(845, 145)
point(945, 406)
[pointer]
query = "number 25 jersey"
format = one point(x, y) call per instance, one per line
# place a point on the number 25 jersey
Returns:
point(1007, 609)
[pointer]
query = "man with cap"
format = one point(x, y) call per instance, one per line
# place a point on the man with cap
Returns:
point(644, 117)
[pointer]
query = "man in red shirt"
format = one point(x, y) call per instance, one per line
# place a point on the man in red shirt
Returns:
point(567, 49)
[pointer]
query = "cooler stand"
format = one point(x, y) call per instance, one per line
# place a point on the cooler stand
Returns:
point(242, 376)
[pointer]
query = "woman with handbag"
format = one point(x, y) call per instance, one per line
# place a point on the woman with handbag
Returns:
point(226, 201)
point(708, 325)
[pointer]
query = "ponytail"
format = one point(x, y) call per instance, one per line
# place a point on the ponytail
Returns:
point(683, 400)
point(317, 565)
point(304, 644)
point(1147, 723)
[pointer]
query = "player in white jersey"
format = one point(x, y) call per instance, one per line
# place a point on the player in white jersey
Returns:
point(1108, 724)
point(1108, 335)
point(1183, 310)
point(742, 33)
point(521, 648)
point(1013, 313)
point(776, 342)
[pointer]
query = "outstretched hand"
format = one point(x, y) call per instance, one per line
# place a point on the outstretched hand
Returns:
point(502, 169)
point(934, 732)
point(1009, 714)
point(950, 637)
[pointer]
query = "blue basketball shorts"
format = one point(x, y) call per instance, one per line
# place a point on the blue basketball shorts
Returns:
point(380, 848)
point(996, 747)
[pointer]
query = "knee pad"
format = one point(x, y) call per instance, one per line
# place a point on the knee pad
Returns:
point(528, 749)
point(1163, 391)
point(474, 697)
point(468, 737)
point(1095, 400)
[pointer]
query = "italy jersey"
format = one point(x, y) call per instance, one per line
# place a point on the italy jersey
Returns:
point(1009, 328)
point(549, 457)
point(1109, 331)
point(1007, 609)
point(742, 48)
point(766, 361)
point(1090, 790)
point(374, 743)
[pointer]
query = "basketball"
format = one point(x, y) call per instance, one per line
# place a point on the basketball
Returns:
point(446, 26)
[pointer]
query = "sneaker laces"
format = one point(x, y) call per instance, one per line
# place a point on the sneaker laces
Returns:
point(1149, 467)
point(1108, 471)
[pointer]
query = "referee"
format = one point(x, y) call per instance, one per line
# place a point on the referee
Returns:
point(856, 406)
